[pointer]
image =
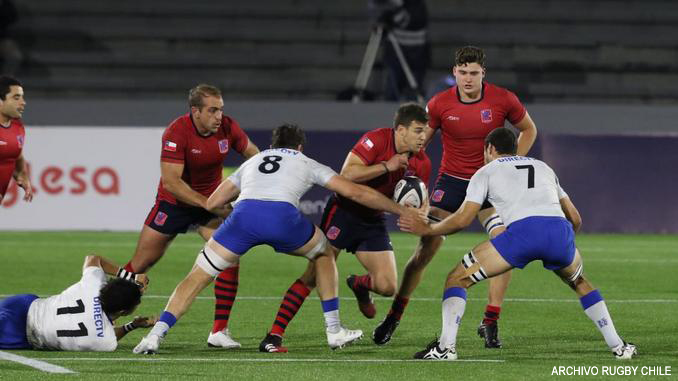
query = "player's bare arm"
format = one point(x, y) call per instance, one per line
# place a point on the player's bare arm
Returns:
point(571, 213)
point(170, 174)
point(250, 150)
point(528, 134)
point(138, 322)
point(365, 195)
point(21, 177)
point(450, 225)
point(225, 193)
point(110, 268)
point(356, 170)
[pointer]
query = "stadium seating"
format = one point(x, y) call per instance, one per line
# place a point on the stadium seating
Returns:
point(546, 50)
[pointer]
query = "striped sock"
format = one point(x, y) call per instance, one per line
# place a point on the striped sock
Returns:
point(454, 304)
point(491, 314)
point(225, 290)
point(128, 267)
point(363, 281)
point(331, 314)
point(596, 309)
point(398, 307)
point(292, 301)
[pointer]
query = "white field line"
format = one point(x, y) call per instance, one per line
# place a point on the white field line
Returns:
point(250, 360)
point(34, 363)
point(519, 300)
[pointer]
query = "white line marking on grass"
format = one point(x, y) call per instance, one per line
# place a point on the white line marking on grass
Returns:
point(249, 360)
point(34, 363)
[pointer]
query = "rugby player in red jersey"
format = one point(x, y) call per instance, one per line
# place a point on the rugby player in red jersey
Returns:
point(379, 160)
point(465, 114)
point(12, 137)
point(194, 147)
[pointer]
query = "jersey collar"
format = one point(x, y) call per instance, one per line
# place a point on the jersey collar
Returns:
point(482, 95)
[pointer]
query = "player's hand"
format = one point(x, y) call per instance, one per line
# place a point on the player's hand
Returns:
point(25, 184)
point(415, 222)
point(142, 280)
point(396, 162)
point(223, 211)
point(144, 321)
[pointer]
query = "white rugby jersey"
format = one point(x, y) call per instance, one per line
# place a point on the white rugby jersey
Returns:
point(279, 174)
point(518, 187)
point(72, 320)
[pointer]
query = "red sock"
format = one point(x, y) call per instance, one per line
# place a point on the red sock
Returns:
point(398, 307)
point(292, 301)
point(225, 289)
point(128, 267)
point(491, 314)
point(363, 281)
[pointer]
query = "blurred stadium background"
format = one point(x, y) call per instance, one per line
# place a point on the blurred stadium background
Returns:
point(104, 78)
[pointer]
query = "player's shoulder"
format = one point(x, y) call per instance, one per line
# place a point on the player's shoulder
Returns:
point(444, 97)
point(181, 124)
point(493, 91)
point(227, 123)
point(378, 136)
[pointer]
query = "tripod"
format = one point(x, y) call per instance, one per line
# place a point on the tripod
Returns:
point(368, 64)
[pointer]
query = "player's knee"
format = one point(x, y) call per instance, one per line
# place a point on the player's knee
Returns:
point(322, 248)
point(473, 270)
point(576, 278)
point(211, 262)
point(385, 286)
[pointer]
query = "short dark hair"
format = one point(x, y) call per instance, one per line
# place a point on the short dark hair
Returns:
point(503, 140)
point(288, 136)
point(5, 83)
point(196, 94)
point(469, 54)
point(408, 113)
point(119, 295)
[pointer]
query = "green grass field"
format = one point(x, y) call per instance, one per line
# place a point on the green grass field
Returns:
point(542, 323)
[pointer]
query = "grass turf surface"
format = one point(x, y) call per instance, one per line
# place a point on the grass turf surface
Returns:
point(542, 324)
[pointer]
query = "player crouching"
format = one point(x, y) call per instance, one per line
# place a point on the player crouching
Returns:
point(541, 222)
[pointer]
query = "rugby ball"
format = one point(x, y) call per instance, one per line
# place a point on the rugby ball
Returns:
point(410, 191)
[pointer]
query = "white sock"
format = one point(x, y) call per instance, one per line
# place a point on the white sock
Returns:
point(454, 304)
point(160, 329)
point(596, 309)
point(332, 322)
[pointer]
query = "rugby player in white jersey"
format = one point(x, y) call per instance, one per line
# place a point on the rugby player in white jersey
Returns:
point(268, 187)
point(541, 222)
point(81, 317)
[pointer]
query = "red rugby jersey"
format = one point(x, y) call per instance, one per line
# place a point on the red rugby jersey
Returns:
point(202, 156)
point(11, 144)
point(373, 148)
point(464, 126)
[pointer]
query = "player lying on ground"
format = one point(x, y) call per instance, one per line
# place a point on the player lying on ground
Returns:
point(269, 186)
point(536, 210)
point(81, 317)
point(379, 160)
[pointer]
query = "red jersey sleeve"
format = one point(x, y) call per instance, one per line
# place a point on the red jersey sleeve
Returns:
point(515, 111)
point(433, 117)
point(368, 147)
point(238, 137)
point(173, 145)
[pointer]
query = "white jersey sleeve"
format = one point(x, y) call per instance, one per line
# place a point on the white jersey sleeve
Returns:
point(478, 187)
point(74, 319)
point(519, 187)
point(279, 174)
point(561, 192)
